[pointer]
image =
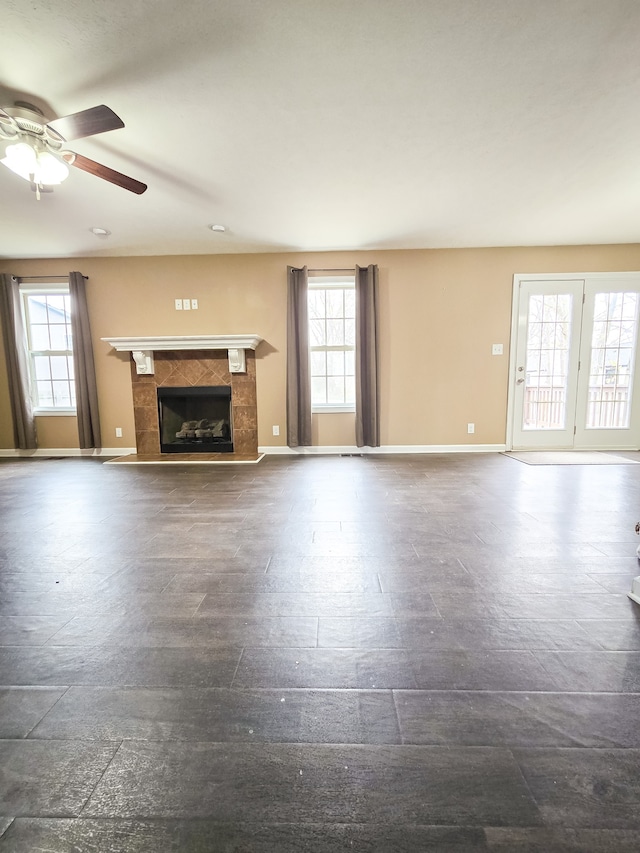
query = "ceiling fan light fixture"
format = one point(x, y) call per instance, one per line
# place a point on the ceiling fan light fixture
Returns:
point(52, 170)
point(21, 159)
point(217, 227)
point(39, 167)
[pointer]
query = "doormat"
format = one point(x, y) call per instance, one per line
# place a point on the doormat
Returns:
point(572, 457)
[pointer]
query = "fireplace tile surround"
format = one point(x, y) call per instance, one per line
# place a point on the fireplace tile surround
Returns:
point(175, 368)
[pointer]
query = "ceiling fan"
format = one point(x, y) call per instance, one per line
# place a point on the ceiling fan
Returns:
point(35, 148)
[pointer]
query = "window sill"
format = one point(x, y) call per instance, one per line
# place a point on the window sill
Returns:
point(331, 410)
point(54, 413)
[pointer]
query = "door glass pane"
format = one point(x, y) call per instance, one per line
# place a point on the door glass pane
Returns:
point(613, 352)
point(547, 362)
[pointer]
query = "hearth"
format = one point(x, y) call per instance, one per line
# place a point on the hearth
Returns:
point(195, 419)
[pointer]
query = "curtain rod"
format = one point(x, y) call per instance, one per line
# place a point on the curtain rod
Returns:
point(46, 277)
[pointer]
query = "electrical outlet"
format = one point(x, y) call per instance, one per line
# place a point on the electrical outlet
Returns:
point(276, 429)
point(178, 304)
point(194, 304)
point(118, 432)
point(471, 428)
point(186, 304)
point(496, 349)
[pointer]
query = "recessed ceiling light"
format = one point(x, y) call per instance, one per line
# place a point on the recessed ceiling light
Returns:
point(100, 232)
point(217, 228)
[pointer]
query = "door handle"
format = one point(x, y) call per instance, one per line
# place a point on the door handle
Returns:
point(519, 381)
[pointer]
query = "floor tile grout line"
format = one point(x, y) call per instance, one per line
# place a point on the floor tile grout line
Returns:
point(168, 584)
point(586, 633)
point(437, 609)
point(46, 714)
point(57, 631)
point(195, 612)
point(526, 783)
point(102, 775)
point(7, 827)
point(235, 672)
point(395, 708)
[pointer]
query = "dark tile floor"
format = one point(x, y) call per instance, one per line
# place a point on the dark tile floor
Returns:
point(380, 654)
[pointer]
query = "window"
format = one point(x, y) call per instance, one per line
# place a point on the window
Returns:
point(47, 320)
point(332, 337)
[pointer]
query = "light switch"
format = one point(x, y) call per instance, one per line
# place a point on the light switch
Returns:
point(194, 304)
point(496, 349)
point(186, 304)
point(178, 304)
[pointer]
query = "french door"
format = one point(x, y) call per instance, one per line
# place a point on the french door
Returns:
point(573, 377)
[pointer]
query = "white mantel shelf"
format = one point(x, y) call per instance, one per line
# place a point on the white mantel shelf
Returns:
point(142, 349)
point(173, 342)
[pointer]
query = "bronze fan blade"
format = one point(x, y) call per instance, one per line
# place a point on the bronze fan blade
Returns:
point(85, 123)
point(103, 172)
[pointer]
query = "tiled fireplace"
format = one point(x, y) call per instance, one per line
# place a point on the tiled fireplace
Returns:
point(186, 367)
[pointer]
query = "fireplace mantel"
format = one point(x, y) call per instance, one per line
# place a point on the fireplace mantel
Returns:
point(142, 348)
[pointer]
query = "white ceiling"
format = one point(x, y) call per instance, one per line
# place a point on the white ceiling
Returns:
point(331, 124)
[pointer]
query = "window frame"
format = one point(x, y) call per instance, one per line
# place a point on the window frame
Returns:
point(51, 289)
point(331, 282)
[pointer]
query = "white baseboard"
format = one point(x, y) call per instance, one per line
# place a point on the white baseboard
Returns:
point(49, 452)
point(334, 450)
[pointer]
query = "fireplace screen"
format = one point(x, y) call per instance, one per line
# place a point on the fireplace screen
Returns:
point(195, 420)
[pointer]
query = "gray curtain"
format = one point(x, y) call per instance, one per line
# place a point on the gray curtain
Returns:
point(24, 431)
point(367, 394)
point(85, 374)
point(298, 373)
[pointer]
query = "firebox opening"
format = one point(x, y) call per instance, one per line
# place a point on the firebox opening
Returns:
point(195, 420)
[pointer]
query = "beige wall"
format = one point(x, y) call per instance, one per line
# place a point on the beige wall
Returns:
point(59, 431)
point(440, 311)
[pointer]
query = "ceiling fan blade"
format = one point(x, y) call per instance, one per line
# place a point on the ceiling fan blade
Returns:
point(103, 172)
point(85, 123)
